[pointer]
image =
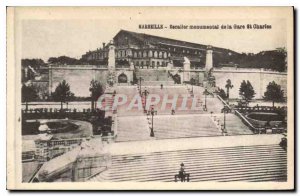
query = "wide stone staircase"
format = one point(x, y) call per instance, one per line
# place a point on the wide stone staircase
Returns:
point(182, 96)
point(240, 163)
point(108, 103)
point(183, 126)
point(154, 77)
point(133, 129)
point(234, 126)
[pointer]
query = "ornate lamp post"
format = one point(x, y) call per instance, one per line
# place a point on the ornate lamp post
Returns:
point(152, 112)
point(140, 83)
point(145, 93)
point(225, 110)
point(205, 93)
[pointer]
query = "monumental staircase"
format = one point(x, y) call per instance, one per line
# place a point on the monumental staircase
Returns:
point(154, 77)
point(239, 163)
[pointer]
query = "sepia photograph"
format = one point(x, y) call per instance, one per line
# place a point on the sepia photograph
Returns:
point(150, 98)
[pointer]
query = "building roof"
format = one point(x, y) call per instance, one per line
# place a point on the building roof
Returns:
point(157, 40)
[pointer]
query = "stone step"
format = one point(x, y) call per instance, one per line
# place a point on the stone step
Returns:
point(251, 163)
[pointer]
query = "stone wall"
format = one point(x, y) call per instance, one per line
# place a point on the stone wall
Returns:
point(79, 78)
point(259, 80)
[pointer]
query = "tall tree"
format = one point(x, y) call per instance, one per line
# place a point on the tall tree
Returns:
point(228, 86)
point(62, 93)
point(246, 90)
point(274, 93)
point(96, 90)
point(29, 94)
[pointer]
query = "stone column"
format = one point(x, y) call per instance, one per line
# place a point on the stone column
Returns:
point(186, 69)
point(209, 58)
point(111, 57)
point(50, 80)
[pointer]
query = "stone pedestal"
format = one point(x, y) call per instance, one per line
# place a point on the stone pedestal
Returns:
point(209, 58)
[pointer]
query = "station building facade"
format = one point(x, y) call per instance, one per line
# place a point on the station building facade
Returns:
point(149, 51)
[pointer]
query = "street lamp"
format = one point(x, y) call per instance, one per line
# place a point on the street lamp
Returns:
point(140, 82)
point(205, 93)
point(152, 112)
point(145, 93)
point(225, 110)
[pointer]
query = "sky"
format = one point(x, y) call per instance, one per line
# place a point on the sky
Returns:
point(51, 38)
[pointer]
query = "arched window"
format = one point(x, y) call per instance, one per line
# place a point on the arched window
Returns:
point(155, 54)
point(160, 54)
point(128, 52)
point(150, 53)
point(135, 54)
point(165, 55)
point(145, 54)
point(140, 54)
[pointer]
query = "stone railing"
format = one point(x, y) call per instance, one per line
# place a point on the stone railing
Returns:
point(245, 121)
point(51, 113)
point(261, 109)
point(238, 111)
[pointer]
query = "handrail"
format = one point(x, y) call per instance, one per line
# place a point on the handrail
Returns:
point(241, 116)
point(238, 113)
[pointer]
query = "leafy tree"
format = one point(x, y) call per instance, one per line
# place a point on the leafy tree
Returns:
point(29, 93)
point(34, 63)
point(30, 65)
point(62, 93)
point(96, 90)
point(246, 90)
point(64, 60)
point(274, 93)
point(272, 59)
point(228, 86)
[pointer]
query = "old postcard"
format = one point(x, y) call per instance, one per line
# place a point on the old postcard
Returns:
point(150, 98)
